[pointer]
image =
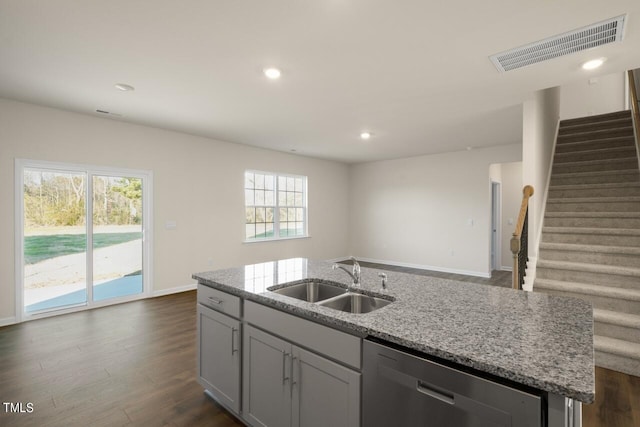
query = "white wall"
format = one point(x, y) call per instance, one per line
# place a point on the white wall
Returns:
point(197, 182)
point(416, 211)
point(540, 120)
point(593, 95)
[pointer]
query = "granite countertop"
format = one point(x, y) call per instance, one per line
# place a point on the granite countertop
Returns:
point(535, 339)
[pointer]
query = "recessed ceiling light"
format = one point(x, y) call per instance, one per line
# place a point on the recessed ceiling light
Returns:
point(125, 87)
point(593, 64)
point(365, 135)
point(272, 73)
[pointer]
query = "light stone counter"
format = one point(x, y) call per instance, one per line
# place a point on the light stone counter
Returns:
point(534, 339)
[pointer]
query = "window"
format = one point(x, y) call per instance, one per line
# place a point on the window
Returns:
point(275, 206)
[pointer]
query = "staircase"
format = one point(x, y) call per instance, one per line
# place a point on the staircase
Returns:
point(590, 246)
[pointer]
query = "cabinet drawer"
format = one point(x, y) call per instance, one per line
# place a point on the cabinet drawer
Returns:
point(219, 300)
point(322, 339)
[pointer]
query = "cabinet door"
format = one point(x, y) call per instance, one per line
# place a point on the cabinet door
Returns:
point(324, 393)
point(219, 356)
point(266, 379)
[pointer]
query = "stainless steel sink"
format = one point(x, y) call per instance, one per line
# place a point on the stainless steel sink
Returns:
point(355, 303)
point(310, 291)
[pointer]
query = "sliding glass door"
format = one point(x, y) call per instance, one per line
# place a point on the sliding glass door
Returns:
point(55, 239)
point(83, 236)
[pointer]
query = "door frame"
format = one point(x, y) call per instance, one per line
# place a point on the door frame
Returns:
point(495, 252)
point(90, 170)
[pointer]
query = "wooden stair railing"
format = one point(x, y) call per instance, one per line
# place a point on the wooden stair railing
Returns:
point(519, 240)
point(635, 107)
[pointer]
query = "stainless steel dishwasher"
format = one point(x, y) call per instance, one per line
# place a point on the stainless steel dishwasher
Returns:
point(403, 389)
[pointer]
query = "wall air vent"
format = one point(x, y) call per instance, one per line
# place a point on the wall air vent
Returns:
point(588, 37)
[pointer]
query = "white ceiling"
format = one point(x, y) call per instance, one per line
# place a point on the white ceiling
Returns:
point(415, 73)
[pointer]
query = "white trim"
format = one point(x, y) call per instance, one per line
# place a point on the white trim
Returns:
point(176, 290)
point(427, 267)
point(90, 171)
point(530, 273)
point(505, 268)
point(279, 239)
point(7, 321)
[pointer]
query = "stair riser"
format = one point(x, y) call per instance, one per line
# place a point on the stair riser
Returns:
point(593, 222)
point(594, 155)
point(590, 127)
point(617, 331)
point(595, 192)
point(593, 207)
point(621, 260)
point(598, 144)
point(591, 239)
point(626, 114)
point(614, 177)
point(631, 163)
point(618, 363)
point(595, 135)
point(615, 280)
point(605, 303)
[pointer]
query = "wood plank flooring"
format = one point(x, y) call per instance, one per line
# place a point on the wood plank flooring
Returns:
point(134, 365)
point(126, 365)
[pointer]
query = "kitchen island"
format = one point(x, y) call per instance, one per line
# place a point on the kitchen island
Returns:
point(540, 342)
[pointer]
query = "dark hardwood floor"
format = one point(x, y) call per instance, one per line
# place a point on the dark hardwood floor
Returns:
point(129, 364)
point(133, 364)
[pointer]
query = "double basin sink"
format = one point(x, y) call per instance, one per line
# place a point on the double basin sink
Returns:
point(333, 296)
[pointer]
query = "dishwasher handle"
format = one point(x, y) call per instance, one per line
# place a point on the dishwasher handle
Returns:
point(427, 389)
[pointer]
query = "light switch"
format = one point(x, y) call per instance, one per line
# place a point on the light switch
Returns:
point(510, 221)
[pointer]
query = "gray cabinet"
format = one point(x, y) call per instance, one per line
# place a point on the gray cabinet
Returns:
point(324, 393)
point(219, 356)
point(267, 379)
point(285, 385)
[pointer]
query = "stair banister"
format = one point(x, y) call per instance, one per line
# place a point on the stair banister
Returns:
point(519, 240)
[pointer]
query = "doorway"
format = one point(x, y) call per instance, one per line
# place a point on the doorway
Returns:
point(496, 214)
point(82, 237)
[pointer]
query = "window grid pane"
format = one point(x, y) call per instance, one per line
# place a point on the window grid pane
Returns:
point(274, 206)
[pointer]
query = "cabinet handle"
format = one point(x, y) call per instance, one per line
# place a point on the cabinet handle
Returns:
point(215, 300)
point(233, 341)
point(294, 381)
point(424, 388)
point(285, 378)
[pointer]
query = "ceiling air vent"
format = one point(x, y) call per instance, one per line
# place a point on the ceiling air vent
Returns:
point(588, 37)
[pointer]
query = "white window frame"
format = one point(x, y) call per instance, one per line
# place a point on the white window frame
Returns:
point(276, 214)
point(90, 170)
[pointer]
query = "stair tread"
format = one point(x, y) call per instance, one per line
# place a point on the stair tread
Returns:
point(634, 171)
point(629, 138)
point(597, 199)
point(596, 150)
point(595, 186)
point(613, 128)
point(616, 346)
point(598, 118)
point(597, 162)
point(617, 318)
point(592, 230)
point(589, 267)
point(588, 289)
point(627, 250)
point(583, 214)
point(613, 120)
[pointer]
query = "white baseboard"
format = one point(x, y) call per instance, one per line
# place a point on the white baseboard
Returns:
point(427, 267)
point(176, 290)
point(7, 321)
point(504, 268)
